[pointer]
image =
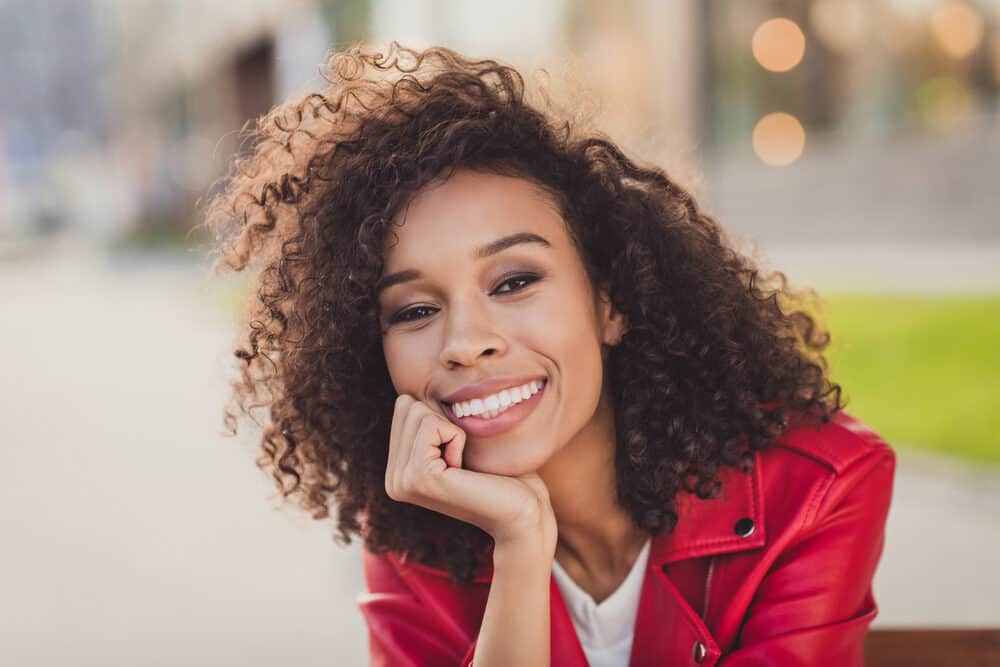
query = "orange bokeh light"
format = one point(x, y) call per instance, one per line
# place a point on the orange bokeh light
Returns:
point(778, 44)
point(957, 29)
point(779, 139)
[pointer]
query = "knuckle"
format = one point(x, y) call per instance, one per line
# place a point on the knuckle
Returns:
point(401, 491)
point(408, 485)
point(392, 486)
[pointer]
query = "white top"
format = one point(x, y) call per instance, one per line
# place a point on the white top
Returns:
point(606, 629)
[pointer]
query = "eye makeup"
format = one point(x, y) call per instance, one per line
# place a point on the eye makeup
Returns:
point(521, 281)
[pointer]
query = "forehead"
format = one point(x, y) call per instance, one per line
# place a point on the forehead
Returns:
point(468, 210)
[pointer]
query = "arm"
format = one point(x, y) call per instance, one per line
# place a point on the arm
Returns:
point(815, 604)
point(516, 623)
point(514, 510)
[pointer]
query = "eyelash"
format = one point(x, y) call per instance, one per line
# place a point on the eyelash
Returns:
point(401, 317)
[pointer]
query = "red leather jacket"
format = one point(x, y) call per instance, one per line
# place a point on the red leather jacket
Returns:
point(776, 570)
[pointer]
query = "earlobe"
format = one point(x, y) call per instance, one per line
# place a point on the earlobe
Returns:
point(616, 330)
point(614, 323)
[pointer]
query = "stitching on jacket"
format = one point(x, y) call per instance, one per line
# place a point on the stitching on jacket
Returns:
point(815, 501)
point(836, 445)
point(696, 624)
point(876, 457)
point(708, 587)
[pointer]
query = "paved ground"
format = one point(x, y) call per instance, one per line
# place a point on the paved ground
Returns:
point(134, 533)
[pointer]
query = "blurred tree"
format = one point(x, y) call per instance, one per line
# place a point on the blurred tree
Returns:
point(349, 20)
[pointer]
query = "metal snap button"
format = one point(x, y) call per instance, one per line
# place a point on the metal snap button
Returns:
point(744, 527)
point(698, 652)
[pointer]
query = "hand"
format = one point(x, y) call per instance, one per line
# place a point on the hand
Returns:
point(510, 509)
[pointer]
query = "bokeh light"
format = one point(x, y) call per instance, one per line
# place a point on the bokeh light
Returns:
point(944, 102)
point(840, 24)
point(778, 44)
point(778, 139)
point(956, 28)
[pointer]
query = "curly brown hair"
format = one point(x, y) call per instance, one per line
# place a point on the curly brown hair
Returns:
point(718, 359)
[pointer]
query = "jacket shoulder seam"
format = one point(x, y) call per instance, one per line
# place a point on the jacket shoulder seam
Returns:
point(837, 445)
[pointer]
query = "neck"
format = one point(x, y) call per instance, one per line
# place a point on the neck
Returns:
point(596, 534)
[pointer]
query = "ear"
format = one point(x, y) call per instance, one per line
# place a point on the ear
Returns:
point(613, 324)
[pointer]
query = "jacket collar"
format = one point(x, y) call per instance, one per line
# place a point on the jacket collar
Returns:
point(718, 525)
point(704, 527)
point(666, 626)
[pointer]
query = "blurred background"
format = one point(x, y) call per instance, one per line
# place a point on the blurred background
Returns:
point(852, 144)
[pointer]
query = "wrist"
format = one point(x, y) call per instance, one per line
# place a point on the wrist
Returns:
point(526, 547)
point(524, 565)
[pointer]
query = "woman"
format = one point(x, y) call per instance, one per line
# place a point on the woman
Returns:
point(570, 423)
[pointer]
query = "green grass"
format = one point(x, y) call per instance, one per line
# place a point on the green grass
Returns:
point(922, 371)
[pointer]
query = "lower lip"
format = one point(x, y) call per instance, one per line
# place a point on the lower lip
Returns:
point(504, 421)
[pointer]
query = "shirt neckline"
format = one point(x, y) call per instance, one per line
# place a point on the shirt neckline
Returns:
point(612, 604)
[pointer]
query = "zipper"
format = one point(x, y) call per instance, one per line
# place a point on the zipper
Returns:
point(708, 587)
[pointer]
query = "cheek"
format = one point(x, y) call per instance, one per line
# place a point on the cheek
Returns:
point(405, 365)
point(565, 333)
point(565, 326)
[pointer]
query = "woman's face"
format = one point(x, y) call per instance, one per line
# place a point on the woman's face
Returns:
point(482, 304)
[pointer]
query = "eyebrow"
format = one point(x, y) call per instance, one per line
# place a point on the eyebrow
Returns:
point(482, 252)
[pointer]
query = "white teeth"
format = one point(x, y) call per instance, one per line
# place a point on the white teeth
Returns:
point(494, 404)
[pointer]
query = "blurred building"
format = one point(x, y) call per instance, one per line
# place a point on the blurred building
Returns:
point(193, 73)
point(127, 111)
point(51, 111)
point(855, 123)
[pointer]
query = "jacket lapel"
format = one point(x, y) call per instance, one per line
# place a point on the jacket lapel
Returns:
point(667, 629)
point(565, 642)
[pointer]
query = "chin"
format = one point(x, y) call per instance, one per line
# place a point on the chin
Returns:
point(501, 463)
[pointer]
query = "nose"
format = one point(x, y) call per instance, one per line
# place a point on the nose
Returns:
point(469, 333)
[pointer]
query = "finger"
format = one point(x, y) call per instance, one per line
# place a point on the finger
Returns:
point(400, 411)
point(449, 490)
point(441, 433)
point(454, 448)
point(408, 432)
point(426, 454)
point(452, 438)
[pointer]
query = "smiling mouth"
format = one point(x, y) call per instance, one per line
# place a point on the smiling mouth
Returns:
point(447, 405)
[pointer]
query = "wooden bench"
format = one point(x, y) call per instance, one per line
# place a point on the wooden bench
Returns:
point(932, 647)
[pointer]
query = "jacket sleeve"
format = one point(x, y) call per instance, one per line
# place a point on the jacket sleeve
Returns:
point(815, 604)
point(403, 631)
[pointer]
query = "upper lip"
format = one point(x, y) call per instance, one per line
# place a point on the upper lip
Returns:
point(489, 386)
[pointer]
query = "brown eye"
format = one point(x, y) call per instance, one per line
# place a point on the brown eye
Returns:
point(407, 315)
point(529, 277)
point(412, 314)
